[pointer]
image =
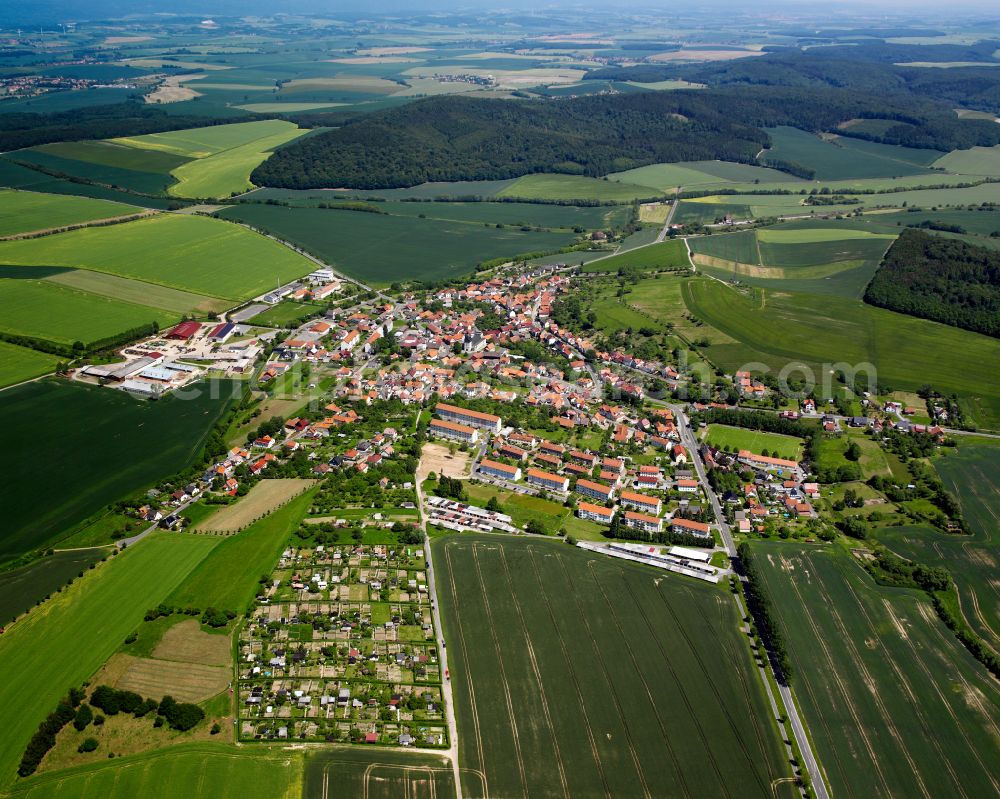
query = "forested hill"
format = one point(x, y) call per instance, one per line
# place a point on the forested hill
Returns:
point(463, 138)
point(940, 278)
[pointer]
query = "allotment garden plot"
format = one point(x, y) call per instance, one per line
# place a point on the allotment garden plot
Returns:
point(342, 648)
point(580, 676)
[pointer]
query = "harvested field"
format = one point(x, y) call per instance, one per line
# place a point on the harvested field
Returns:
point(263, 498)
point(187, 682)
point(188, 643)
point(436, 458)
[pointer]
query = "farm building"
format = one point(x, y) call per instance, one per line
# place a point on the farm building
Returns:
point(221, 332)
point(184, 331)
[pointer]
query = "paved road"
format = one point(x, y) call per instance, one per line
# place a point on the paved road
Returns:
point(670, 218)
point(449, 702)
point(810, 763)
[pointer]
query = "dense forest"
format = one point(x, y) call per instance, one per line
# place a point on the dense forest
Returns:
point(463, 138)
point(18, 130)
point(940, 278)
point(874, 68)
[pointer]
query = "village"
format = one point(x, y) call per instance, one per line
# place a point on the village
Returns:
point(469, 410)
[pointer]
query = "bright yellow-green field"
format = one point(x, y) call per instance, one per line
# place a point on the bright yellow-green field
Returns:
point(20, 363)
point(811, 235)
point(192, 253)
point(574, 187)
point(225, 155)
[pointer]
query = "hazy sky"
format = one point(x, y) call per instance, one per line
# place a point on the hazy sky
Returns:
point(20, 11)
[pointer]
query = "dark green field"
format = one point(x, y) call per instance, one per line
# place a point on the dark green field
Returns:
point(845, 159)
point(83, 447)
point(382, 249)
point(577, 675)
point(425, 191)
point(740, 247)
point(376, 774)
point(57, 158)
point(972, 473)
point(895, 705)
point(21, 588)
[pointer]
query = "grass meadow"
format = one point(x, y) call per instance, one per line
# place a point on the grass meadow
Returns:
point(18, 364)
point(376, 774)
point(224, 771)
point(737, 438)
point(575, 187)
point(665, 255)
point(38, 658)
point(894, 703)
point(24, 211)
point(242, 558)
point(777, 328)
point(58, 313)
point(90, 446)
point(204, 142)
point(190, 253)
point(553, 696)
point(382, 249)
point(688, 175)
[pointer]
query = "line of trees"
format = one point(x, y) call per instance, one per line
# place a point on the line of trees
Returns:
point(759, 605)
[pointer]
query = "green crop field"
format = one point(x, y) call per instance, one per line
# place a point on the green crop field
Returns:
point(193, 770)
point(971, 473)
point(223, 155)
point(376, 774)
point(699, 213)
point(382, 249)
point(146, 182)
point(24, 211)
point(575, 187)
point(530, 214)
point(778, 328)
point(227, 579)
point(736, 438)
point(191, 253)
point(665, 255)
point(124, 445)
point(47, 310)
point(554, 697)
point(792, 256)
point(135, 291)
point(21, 588)
point(120, 156)
point(740, 247)
point(38, 663)
point(699, 175)
point(843, 159)
point(894, 703)
point(20, 363)
point(203, 142)
point(483, 189)
point(974, 161)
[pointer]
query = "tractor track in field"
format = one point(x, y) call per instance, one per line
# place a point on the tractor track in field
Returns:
point(503, 676)
point(473, 706)
point(649, 693)
point(611, 685)
point(573, 676)
point(821, 640)
point(529, 647)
